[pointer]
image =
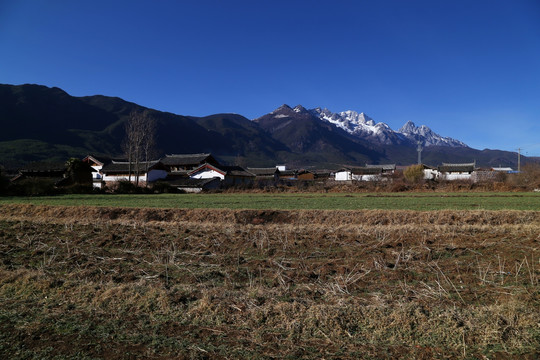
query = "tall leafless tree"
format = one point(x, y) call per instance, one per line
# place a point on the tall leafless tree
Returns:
point(139, 142)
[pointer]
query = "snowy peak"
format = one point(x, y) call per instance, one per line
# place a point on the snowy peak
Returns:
point(362, 126)
point(350, 121)
point(300, 109)
point(427, 136)
point(359, 125)
point(408, 128)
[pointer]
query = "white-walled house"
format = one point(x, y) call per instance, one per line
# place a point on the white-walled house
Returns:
point(367, 173)
point(430, 173)
point(96, 165)
point(456, 171)
point(229, 175)
point(119, 171)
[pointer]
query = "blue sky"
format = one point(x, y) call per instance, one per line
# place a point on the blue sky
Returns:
point(467, 69)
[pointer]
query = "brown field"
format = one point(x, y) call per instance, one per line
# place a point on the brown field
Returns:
point(89, 282)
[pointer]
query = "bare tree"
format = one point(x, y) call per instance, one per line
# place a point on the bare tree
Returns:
point(139, 142)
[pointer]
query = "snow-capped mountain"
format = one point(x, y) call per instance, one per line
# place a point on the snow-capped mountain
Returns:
point(361, 125)
point(427, 136)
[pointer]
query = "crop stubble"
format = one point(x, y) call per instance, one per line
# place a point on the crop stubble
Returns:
point(162, 283)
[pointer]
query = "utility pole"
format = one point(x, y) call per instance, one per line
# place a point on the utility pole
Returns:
point(519, 159)
point(419, 149)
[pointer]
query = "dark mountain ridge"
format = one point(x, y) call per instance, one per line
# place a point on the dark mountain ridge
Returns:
point(41, 123)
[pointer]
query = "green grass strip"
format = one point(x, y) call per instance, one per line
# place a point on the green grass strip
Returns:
point(293, 201)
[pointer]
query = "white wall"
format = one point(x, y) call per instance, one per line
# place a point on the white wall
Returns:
point(343, 175)
point(153, 175)
point(207, 174)
point(455, 176)
point(430, 174)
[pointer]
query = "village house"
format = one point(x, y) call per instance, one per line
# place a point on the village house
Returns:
point(229, 175)
point(305, 175)
point(456, 171)
point(120, 171)
point(190, 185)
point(54, 171)
point(96, 164)
point(265, 174)
point(182, 164)
point(57, 173)
point(366, 173)
point(386, 169)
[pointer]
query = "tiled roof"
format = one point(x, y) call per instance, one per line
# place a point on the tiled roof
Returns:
point(44, 167)
point(468, 167)
point(237, 171)
point(123, 167)
point(382, 166)
point(185, 159)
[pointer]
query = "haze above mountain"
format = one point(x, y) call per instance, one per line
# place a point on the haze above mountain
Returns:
point(41, 123)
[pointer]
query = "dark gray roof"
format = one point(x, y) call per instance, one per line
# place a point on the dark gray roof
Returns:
point(382, 166)
point(44, 167)
point(367, 170)
point(236, 171)
point(123, 167)
point(468, 167)
point(187, 159)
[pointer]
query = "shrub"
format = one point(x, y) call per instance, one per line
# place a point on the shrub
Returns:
point(162, 187)
point(125, 187)
point(414, 173)
point(529, 176)
point(4, 183)
point(32, 187)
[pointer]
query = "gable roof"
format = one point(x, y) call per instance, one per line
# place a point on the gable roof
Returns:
point(207, 166)
point(225, 170)
point(100, 161)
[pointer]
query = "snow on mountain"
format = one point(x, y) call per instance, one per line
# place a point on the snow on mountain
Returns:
point(427, 136)
point(361, 125)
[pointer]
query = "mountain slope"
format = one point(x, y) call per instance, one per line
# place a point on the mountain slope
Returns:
point(42, 123)
point(56, 126)
point(316, 141)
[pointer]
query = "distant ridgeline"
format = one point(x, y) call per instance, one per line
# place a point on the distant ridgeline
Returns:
point(47, 124)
